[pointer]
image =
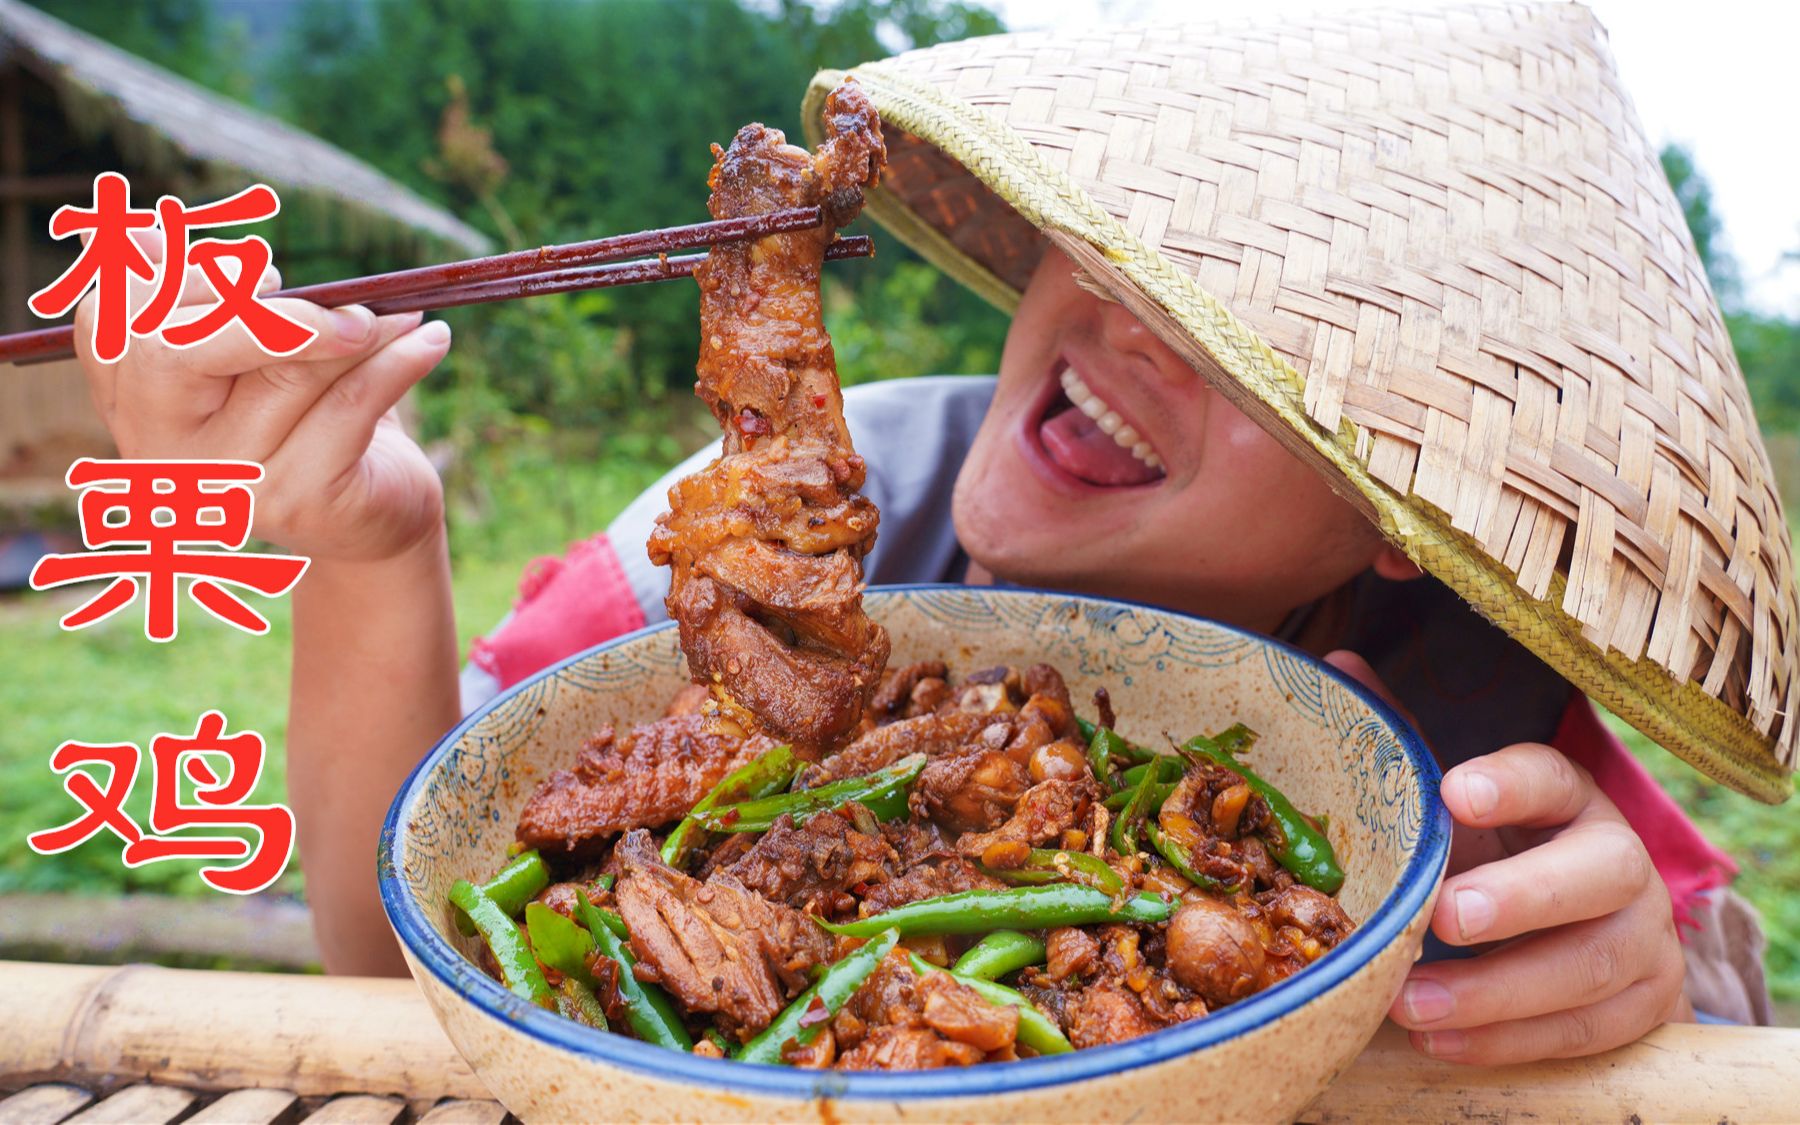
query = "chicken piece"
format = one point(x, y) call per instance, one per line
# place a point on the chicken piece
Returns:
point(809, 866)
point(1107, 1012)
point(716, 946)
point(928, 880)
point(908, 1048)
point(916, 689)
point(653, 774)
point(972, 790)
point(765, 545)
point(1043, 814)
point(932, 735)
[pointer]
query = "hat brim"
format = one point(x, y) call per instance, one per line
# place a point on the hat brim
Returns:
point(1678, 714)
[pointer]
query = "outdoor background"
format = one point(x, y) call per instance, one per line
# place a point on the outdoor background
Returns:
point(553, 121)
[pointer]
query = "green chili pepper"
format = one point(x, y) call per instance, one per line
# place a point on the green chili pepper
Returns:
point(649, 1011)
point(514, 885)
point(1302, 849)
point(1000, 953)
point(518, 968)
point(1103, 747)
point(717, 1039)
point(1235, 739)
point(559, 943)
point(604, 882)
point(1129, 751)
point(1047, 865)
point(576, 1001)
point(883, 791)
point(1036, 1030)
point(1182, 860)
point(1126, 825)
point(1158, 794)
point(1015, 908)
point(768, 773)
point(798, 1022)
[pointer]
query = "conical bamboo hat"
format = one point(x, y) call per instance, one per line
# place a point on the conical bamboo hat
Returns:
point(1436, 255)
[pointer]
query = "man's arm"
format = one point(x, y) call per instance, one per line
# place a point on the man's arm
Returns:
point(374, 686)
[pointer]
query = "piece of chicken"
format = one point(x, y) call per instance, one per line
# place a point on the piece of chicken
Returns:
point(765, 545)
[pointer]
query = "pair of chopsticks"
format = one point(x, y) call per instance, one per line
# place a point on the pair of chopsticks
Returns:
point(596, 264)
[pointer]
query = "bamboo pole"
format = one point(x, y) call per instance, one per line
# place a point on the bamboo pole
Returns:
point(324, 1035)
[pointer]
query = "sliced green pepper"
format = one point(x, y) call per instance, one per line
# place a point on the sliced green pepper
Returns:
point(1049, 865)
point(884, 792)
point(1000, 953)
point(1015, 908)
point(1127, 751)
point(1181, 860)
point(1036, 1030)
point(798, 1022)
point(559, 943)
point(518, 968)
point(576, 1001)
point(768, 773)
point(522, 878)
point(1103, 748)
point(1158, 794)
point(1126, 825)
point(649, 1011)
point(1302, 849)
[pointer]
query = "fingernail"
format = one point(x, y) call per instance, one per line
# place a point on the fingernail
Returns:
point(1442, 1044)
point(1426, 1001)
point(1474, 912)
point(436, 334)
point(353, 324)
point(1480, 793)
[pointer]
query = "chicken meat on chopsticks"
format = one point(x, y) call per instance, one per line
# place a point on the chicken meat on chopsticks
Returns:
point(765, 545)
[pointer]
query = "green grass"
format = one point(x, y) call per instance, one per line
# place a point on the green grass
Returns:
point(108, 683)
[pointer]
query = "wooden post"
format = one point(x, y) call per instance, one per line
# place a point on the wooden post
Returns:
point(15, 233)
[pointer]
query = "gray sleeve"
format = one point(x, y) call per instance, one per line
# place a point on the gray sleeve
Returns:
point(913, 433)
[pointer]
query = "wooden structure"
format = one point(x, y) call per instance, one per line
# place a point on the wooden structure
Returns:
point(72, 106)
point(339, 1049)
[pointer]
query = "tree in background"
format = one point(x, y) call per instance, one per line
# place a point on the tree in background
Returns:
point(1768, 347)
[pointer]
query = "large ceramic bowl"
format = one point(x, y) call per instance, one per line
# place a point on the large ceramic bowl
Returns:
point(1333, 747)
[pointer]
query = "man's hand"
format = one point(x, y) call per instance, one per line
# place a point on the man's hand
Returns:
point(1544, 864)
point(342, 480)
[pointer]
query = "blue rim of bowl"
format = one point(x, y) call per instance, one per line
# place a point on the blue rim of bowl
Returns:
point(1384, 925)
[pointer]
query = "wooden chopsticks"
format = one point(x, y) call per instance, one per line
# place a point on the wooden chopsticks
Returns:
point(595, 264)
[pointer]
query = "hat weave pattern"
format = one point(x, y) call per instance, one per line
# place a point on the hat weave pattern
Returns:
point(1435, 255)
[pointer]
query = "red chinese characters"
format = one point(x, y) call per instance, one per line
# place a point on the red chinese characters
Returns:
point(111, 257)
point(215, 804)
point(165, 508)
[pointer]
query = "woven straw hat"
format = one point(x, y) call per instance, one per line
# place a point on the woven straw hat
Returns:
point(1434, 254)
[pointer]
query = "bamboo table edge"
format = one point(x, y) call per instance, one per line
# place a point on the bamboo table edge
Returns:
point(210, 1030)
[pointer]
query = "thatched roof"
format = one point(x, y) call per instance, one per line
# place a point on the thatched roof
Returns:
point(173, 126)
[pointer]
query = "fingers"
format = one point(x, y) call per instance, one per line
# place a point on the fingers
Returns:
point(1570, 967)
point(1588, 871)
point(1524, 785)
point(163, 395)
point(333, 435)
point(1589, 1029)
point(265, 405)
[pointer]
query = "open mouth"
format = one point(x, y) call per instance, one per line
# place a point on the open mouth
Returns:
point(1084, 435)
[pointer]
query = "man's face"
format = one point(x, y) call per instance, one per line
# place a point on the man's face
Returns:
point(1106, 465)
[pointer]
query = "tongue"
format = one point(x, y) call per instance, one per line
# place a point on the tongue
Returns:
point(1084, 450)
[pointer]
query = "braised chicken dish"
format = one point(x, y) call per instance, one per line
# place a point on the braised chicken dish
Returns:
point(812, 859)
point(979, 875)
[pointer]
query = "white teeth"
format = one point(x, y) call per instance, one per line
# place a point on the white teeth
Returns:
point(1090, 404)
